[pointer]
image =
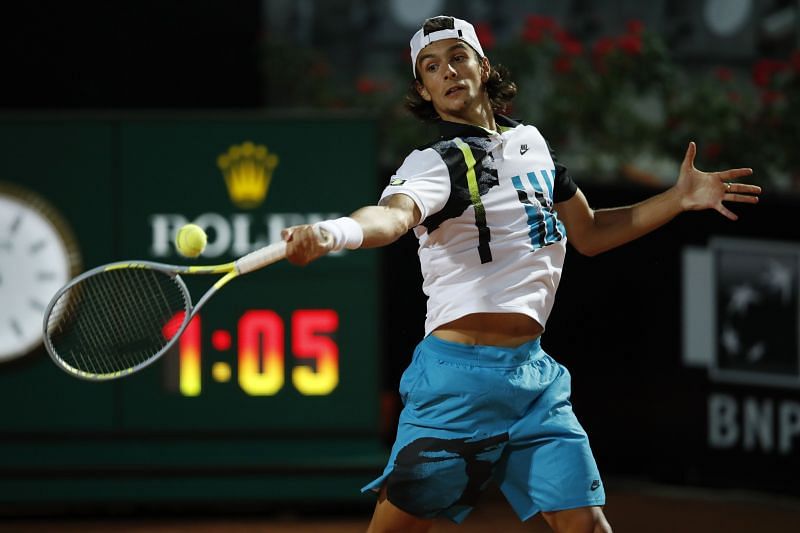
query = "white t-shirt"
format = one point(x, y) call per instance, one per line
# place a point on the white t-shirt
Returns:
point(489, 238)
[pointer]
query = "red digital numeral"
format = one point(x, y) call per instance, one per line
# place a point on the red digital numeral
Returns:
point(261, 353)
point(310, 340)
point(189, 346)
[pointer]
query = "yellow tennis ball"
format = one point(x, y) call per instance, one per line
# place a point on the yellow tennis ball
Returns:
point(190, 240)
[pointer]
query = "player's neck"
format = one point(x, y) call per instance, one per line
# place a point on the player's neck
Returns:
point(480, 115)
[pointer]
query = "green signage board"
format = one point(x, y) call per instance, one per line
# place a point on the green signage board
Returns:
point(277, 377)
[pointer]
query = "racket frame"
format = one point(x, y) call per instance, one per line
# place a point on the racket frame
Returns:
point(253, 261)
point(173, 271)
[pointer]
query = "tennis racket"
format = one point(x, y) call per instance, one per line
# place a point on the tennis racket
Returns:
point(112, 321)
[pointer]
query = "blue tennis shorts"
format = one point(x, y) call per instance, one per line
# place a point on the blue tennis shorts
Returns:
point(479, 413)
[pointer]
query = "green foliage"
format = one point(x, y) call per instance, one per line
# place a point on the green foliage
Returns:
point(619, 108)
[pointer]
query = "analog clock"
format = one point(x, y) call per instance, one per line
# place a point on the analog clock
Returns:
point(38, 254)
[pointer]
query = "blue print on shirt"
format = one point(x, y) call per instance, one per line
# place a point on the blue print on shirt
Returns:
point(545, 228)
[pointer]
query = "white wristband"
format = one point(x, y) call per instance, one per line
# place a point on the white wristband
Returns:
point(345, 232)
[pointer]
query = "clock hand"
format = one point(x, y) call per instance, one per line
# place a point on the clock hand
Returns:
point(15, 224)
point(15, 327)
point(37, 247)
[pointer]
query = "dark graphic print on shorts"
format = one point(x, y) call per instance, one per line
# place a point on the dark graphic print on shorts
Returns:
point(432, 475)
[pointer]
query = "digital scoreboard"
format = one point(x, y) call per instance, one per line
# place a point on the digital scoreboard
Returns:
point(272, 391)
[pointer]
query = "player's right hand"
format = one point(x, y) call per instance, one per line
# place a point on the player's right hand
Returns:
point(303, 245)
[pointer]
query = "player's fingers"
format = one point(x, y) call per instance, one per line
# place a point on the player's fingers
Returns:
point(741, 198)
point(727, 212)
point(688, 159)
point(734, 173)
point(296, 246)
point(742, 188)
point(304, 246)
point(294, 254)
point(296, 260)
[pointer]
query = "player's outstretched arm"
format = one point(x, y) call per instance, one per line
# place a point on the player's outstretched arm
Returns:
point(369, 227)
point(593, 232)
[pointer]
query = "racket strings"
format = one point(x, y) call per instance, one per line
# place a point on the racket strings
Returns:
point(114, 320)
point(126, 326)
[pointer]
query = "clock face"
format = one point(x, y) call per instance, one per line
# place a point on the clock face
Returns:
point(35, 260)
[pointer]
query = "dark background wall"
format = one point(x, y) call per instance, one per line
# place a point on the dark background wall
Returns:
point(130, 54)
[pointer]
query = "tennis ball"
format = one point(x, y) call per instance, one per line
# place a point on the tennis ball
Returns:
point(190, 240)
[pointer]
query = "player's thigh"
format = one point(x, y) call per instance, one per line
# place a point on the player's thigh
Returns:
point(389, 518)
point(579, 520)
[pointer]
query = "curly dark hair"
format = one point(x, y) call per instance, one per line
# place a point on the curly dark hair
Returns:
point(499, 86)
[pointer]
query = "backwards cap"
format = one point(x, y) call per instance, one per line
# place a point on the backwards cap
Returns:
point(454, 29)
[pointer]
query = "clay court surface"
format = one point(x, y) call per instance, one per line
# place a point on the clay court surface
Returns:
point(635, 508)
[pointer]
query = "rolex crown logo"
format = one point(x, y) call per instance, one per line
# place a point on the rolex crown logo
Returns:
point(248, 172)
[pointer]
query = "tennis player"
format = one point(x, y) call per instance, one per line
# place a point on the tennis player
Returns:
point(492, 209)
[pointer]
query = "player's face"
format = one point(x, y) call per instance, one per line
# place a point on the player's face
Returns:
point(452, 77)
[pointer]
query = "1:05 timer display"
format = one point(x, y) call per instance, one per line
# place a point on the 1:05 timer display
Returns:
point(261, 352)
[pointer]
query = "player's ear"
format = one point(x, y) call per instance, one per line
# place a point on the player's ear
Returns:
point(423, 92)
point(486, 69)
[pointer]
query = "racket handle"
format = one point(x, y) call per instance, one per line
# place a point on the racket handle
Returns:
point(275, 252)
point(261, 257)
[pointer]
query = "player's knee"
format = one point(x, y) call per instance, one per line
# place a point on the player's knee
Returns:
point(602, 527)
point(599, 522)
point(581, 520)
point(388, 518)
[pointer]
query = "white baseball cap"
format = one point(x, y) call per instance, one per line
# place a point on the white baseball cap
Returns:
point(455, 29)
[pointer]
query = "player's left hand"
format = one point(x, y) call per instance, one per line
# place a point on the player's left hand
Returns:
point(303, 244)
point(707, 190)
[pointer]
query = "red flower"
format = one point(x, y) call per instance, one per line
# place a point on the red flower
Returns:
point(571, 46)
point(562, 64)
point(603, 46)
point(366, 85)
point(765, 69)
point(795, 60)
point(635, 26)
point(485, 35)
point(762, 74)
point(537, 26)
point(772, 97)
point(540, 22)
point(723, 74)
point(630, 44)
point(533, 35)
